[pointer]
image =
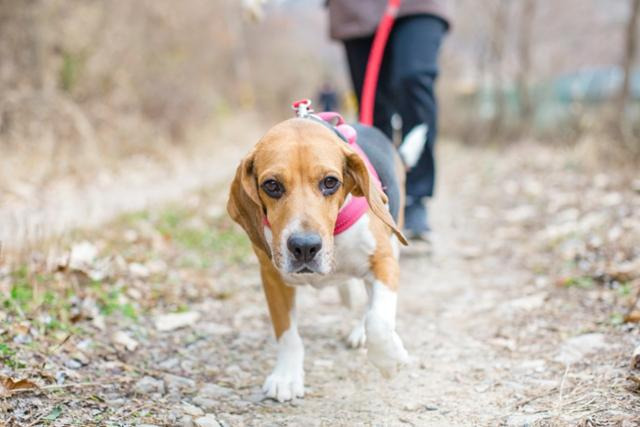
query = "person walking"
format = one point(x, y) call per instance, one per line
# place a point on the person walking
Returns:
point(406, 84)
point(328, 97)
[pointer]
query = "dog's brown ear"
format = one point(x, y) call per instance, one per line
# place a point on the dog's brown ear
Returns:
point(244, 205)
point(364, 186)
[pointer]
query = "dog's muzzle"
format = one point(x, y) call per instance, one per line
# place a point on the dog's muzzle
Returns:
point(303, 250)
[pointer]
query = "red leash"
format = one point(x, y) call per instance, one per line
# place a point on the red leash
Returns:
point(374, 61)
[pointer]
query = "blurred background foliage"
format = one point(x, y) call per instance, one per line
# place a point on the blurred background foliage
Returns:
point(112, 78)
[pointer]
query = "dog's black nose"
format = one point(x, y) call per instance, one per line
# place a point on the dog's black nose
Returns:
point(304, 246)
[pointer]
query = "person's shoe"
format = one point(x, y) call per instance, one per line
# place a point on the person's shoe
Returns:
point(416, 221)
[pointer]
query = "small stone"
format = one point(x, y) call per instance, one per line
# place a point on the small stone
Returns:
point(171, 321)
point(176, 383)
point(482, 388)
point(72, 364)
point(206, 403)
point(411, 406)
point(116, 403)
point(169, 364)
point(82, 255)
point(80, 357)
point(207, 421)
point(214, 391)
point(124, 339)
point(229, 420)
point(149, 385)
point(256, 397)
point(192, 410)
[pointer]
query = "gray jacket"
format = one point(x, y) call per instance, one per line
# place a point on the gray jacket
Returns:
point(350, 19)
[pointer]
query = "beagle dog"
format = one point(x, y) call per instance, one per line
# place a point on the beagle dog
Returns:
point(288, 195)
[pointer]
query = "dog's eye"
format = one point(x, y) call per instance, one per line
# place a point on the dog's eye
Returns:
point(273, 188)
point(329, 185)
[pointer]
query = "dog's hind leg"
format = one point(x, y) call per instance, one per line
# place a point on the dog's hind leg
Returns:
point(349, 294)
point(358, 336)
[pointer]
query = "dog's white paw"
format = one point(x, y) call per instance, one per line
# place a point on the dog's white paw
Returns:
point(384, 347)
point(283, 385)
point(357, 337)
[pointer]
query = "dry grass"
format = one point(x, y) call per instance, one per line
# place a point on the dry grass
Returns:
point(94, 91)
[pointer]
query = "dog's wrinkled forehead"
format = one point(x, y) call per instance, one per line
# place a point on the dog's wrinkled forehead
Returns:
point(298, 145)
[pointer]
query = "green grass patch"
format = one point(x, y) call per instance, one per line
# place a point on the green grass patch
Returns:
point(205, 241)
point(616, 319)
point(624, 289)
point(582, 282)
point(110, 301)
point(7, 357)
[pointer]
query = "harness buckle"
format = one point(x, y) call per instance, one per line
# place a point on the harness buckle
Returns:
point(302, 108)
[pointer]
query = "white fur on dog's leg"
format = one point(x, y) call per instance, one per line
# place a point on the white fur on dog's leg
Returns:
point(358, 336)
point(286, 382)
point(384, 347)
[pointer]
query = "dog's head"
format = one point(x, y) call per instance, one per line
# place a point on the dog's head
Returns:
point(298, 177)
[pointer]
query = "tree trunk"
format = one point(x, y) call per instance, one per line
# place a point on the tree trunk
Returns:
point(496, 54)
point(631, 38)
point(527, 13)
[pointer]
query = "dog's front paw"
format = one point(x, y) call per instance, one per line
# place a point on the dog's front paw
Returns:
point(357, 337)
point(284, 384)
point(384, 347)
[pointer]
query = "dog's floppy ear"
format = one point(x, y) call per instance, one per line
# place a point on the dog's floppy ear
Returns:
point(244, 205)
point(364, 186)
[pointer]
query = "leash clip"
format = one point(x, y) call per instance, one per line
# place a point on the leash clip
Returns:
point(302, 108)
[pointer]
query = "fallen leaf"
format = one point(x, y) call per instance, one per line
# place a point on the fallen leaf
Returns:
point(7, 385)
point(169, 322)
point(635, 358)
point(54, 414)
point(632, 317)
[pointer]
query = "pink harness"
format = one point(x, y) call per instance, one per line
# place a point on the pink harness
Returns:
point(353, 210)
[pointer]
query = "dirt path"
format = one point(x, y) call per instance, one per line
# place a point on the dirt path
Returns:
point(497, 332)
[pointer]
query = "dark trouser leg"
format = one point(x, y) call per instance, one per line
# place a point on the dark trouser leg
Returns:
point(357, 55)
point(414, 68)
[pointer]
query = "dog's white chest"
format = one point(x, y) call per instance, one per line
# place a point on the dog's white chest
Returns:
point(353, 248)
